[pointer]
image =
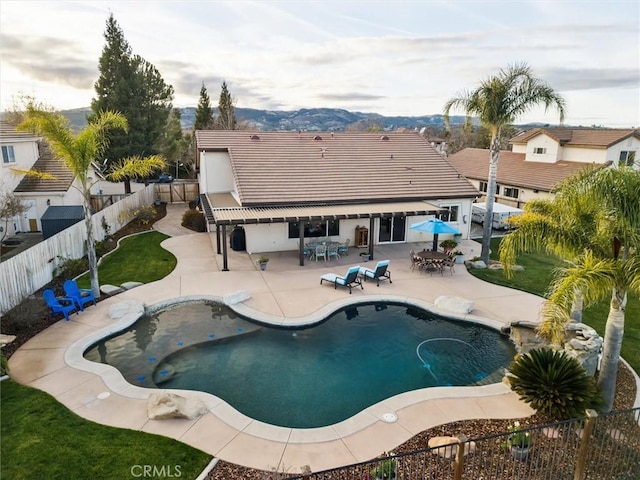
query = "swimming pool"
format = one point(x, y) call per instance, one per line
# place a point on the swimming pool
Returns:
point(309, 377)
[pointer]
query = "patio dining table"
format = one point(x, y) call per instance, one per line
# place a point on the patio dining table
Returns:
point(433, 261)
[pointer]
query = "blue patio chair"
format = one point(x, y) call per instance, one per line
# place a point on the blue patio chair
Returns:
point(321, 252)
point(63, 305)
point(332, 252)
point(81, 296)
point(349, 280)
point(343, 248)
point(380, 272)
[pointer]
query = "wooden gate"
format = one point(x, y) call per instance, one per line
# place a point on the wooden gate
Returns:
point(177, 192)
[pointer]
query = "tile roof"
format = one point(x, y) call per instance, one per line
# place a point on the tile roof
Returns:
point(587, 137)
point(8, 131)
point(279, 168)
point(513, 169)
point(46, 163)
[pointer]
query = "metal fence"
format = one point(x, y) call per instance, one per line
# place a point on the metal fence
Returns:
point(32, 269)
point(589, 448)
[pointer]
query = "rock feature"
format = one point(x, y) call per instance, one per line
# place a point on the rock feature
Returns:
point(523, 335)
point(583, 343)
point(454, 304)
point(165, 405)
point(444, 448)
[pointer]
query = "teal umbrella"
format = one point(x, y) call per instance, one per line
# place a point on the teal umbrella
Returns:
point(434, 226)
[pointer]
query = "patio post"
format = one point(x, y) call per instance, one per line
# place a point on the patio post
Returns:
point(225, 267)
point(301, 247)
point(371, 225)
point(218, 238)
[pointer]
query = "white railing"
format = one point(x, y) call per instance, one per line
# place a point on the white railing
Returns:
point(24, 274)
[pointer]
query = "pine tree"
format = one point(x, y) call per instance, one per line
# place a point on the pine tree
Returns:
point(175, 143)
point(204, 114)
point(130, 85)
point(226, 119)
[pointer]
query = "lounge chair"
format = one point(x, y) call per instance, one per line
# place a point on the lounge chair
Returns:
point(349, 280)
point(63, 305)
point(381, 271)
point(81, 296)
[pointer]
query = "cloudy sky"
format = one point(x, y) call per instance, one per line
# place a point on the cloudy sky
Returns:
point(388, 57)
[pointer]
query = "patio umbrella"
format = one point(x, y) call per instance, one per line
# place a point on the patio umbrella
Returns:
point(435, 226)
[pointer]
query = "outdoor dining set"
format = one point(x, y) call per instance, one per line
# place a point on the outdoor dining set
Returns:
point(326, 250)
point(432, 261)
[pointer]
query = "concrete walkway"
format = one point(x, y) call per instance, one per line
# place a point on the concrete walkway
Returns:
point(284, 294)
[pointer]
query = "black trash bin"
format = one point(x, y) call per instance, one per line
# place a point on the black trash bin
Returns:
point(238, 240)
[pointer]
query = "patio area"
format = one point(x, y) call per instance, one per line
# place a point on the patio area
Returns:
point(288, 294)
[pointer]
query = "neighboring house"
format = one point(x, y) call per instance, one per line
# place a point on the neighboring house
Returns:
point(281, 185)
point(543, 157)
point(25, 151)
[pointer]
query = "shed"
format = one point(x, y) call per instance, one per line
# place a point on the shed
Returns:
point(57, 218)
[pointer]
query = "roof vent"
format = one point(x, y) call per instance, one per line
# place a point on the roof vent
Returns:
point(254, 137)
point(384, 138)
point(317, 137)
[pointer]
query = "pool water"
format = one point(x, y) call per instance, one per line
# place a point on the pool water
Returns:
point(308, 377)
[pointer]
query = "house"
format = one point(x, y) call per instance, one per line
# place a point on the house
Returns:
point(542, 157)
point(25, 151)
point(284, 187)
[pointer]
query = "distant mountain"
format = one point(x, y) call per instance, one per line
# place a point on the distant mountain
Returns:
point(306, 119)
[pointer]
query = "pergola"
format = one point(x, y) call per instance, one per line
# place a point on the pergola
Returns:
point(222, 216)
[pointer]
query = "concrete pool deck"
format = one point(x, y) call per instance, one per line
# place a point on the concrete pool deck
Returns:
point(287, 294)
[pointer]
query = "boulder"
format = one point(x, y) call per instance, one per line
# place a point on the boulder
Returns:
point(443, 446)
point(477, 264)
point(6, 339)
point(454, 304)
point(121, 309)
point(163, 405)
point(236, 297)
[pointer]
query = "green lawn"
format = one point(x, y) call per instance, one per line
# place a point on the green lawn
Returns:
point(140, 258)
point(41, 438)
point(535, 279)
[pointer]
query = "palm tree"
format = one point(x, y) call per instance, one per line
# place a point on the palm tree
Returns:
point(497, 103)
point(594, 222)
point(78, 151)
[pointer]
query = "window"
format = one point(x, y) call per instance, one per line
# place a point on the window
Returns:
point(7, 154)
point(315, 229)
point(539, 151)
point(626, 158)
point(511, 192)
point(484, 185)
point(452, 216)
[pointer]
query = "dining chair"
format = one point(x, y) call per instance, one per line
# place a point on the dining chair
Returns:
point(332, 251)
point(321, 252)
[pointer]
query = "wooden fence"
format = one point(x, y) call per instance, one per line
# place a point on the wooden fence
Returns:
point(24, 274)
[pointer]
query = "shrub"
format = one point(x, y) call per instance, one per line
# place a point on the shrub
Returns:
point(70, 267)
point(194, 220)
point(449, 243)
point(145, 215)
point(553, 383)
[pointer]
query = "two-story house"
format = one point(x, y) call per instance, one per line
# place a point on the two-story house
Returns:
point(22, 151)
point(282, 187)
point(540, 158)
